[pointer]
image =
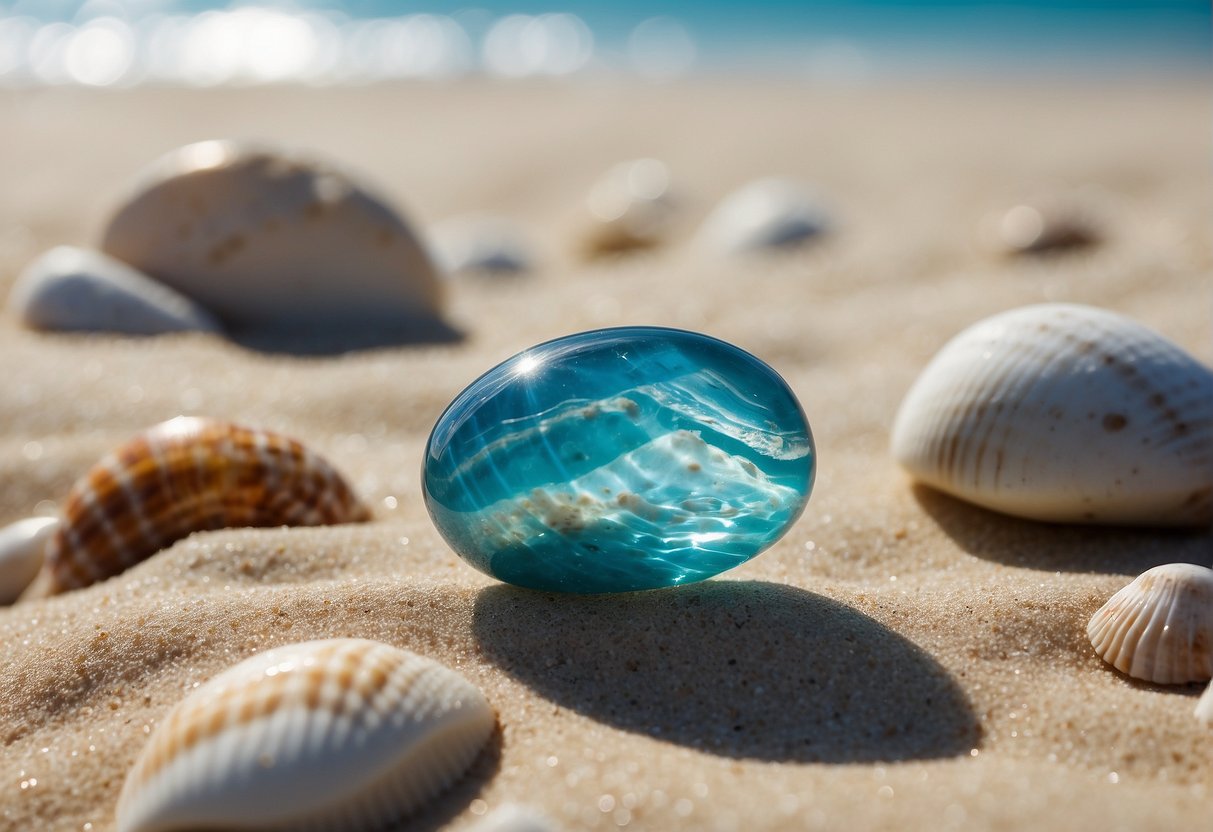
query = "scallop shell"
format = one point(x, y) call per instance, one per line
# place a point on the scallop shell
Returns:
point(74, 289)
point(764, 215)
point(1160, 627)
point(1204, 707)
point(631, 207)
point(479, 244)
point(334, 734)
point(22, 550)
point(182, 476)
point(268, 238)
point(1064, 413)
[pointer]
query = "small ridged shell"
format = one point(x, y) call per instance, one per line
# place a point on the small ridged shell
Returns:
point(1160, 627)
point(22, 551)
point(1064, 413)
point(186, 475)
point(339, 734)
point(1204, 707)
point(270, 238)
point(630, 207)
point(765, 215)
point(74, 289)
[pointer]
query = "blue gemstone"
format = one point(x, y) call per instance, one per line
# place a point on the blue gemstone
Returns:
point(617, 460)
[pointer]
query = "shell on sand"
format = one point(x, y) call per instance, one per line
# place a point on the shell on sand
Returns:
point(22, 551)
point(479, 244)
point(1064, 413)
point(338, 734)
point(267, 238)
point(765, 215)
point(75, 289)
point(1159, 628)
point(513, 817)
point(630, 207)
point(1039, 227)
point(186, 475)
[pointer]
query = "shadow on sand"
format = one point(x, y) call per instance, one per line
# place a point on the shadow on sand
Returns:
point(744, 669)
point(1056, 547)
point(320, 342)
point(437, 813)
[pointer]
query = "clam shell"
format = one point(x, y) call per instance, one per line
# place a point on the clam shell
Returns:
point(1204, 707)
point(479, 244)
point(1160, 627)
point(334, 734)
point(1064, 413)
point(182, 476)
point(269, 238)
point(74, 289)
point(22, 550)
point(630, 207)
point(764, 215)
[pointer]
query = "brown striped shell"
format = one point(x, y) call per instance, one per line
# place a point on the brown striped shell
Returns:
point(182, 476)
point(338, 734)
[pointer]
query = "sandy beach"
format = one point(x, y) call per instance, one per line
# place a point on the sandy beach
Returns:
point(900, 660)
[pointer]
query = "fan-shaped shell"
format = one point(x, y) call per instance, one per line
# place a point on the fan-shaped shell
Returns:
point(22, 550)
point(182, 476)
point(269, 238)
point(1064, 413)
point(1160, 627)
point(340, 734)
point(74, 289)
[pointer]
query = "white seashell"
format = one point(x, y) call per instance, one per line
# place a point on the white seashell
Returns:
point(763, 215)
point(22, 550)
point(630, 207)
point(1160, 627)
point(514, 818)
point(1064, 413)
point(74, 289)
point(1039, 227)
point(1204, 707)
point(268, 238)
point(333, 734)
point(479, 244)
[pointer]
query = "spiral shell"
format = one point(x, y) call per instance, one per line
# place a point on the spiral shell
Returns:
point(1160, 627)
point(182, 476)
point(335, 734)
point(1064, 413)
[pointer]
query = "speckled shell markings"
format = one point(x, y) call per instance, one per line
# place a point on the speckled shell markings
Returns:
point(1159, 628)
point(22, 551)
point(182, 476)
point(1064, 413)
point(267, 238)
point(340, 734)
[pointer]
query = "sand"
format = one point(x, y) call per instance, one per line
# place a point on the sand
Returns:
point(900, 660)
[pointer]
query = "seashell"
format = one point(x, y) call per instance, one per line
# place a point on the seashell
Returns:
point(333, 734)
point(479, 244)
point(269, 238)
point(22, 549)
point(182, 476)
point(1204, 707)
point(631, 207)
point(1039, 227)
point(1160, 627)
point(514, 818)
point(764, 215)
point(1064, 413)
point(74, 289)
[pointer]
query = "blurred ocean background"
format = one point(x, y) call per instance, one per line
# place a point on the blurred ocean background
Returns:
point(199, 43)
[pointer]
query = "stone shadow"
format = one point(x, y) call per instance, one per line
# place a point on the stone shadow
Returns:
point(438, 813)
point(1056, 547)
point(744, 669)
point(326, 341)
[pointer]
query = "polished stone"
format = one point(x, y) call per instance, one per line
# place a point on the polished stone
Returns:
point(617, 460)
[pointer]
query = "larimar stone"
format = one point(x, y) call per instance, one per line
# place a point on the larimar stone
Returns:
point(619, 459)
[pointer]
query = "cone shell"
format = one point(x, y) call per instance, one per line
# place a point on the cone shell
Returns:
point(22, 551)
point(1160, 627)
point(182, 476)
point(1064, 413)
point(341, 734)
point(269, 238)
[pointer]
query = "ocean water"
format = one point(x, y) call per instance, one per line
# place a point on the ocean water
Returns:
point(202, 42)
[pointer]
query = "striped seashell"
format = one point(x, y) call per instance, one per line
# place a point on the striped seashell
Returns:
point(335, 734)
point(1160, 627)
point(1064, 413)
point(186, 475)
